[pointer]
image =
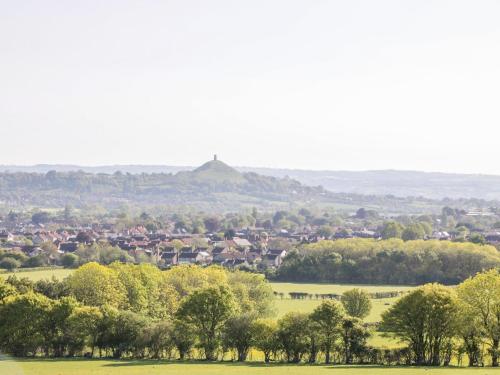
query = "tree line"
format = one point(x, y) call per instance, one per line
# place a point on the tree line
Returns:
point(138, 311)
point(390, 261)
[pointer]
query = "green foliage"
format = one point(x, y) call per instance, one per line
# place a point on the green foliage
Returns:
point(366, 261)
point(266, 337)
point(147, 290)
point(391, 229)
point(69, 260)
point(52, 288)
point(353, 335)
point(97, 285)
point(293, 331)
point(413, 232)
point(222, 311)
point(253, 292)
point(207, 310)
point(356, 303)
point(239, 333)
point(213, 185)
point(22, 285)
point(36, 261)
point(157, 337)
point(119, 331)
point(6, 290)
point(186, 278)
point(9, 264)
point(183, 337)
point(426, 319)
point(328, 317)
point(83, 327)
point(23, 321)
point(480, 298)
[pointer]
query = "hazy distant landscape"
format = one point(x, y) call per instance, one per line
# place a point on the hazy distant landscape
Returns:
point(220, 187)
point(434, 185)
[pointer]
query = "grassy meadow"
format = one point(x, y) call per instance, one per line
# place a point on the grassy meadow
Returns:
point(286, 304)
point(124, 367)
point(39, 274)
point(335, 288)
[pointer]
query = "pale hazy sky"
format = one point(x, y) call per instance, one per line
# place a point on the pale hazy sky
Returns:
point(301, 84)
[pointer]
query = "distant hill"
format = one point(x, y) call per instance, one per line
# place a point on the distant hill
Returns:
point(215, 171)
point(380, 183)
point(212, 186)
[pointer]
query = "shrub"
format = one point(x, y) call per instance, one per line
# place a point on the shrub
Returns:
point(9, 264)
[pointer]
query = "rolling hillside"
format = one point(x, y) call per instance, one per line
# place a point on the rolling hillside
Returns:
point(432, 185)
point(214, 185)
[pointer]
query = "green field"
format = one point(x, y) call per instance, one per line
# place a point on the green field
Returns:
point(335, 288)
point(123, 367)
point(36, 275)
point(284, 306)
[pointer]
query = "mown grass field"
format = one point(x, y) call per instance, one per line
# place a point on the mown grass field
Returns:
point(335, 288)
point(123, 367)
point(36, 275)
point(286, 304)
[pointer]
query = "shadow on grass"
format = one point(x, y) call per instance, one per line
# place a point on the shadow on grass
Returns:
point(128, 363)
point(123, 363)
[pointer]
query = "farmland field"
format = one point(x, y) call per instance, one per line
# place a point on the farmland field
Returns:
point(335, 288)
point(307, 305)
point(35, 274)
point(124, 367)
point(284, 306)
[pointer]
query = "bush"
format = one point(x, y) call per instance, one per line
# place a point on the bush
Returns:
point(9, 264)
point(36, 261)
point(69, 260)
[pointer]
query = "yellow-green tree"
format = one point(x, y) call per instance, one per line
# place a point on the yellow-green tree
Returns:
point(148, 292)
point(83, 327)
point(481, 297)
point(23, 323)
point(187, 278)
point(97, 285)
point(253, 292)
point(6, 290)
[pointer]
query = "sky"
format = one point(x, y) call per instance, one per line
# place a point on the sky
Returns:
point(339, 85)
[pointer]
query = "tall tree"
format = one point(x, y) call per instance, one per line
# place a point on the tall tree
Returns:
point(294, 336)
point(207, 310)
point(481, 297)
point(83, 328)
point(266, 337)
point(239, 334)
point(23, 321)
point(356, 303)
point(328, 317)
point(391, 229)
point(426, 318)
point(97, 285)
point(353, 336)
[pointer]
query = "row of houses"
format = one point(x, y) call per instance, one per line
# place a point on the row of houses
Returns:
point(166, 249)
